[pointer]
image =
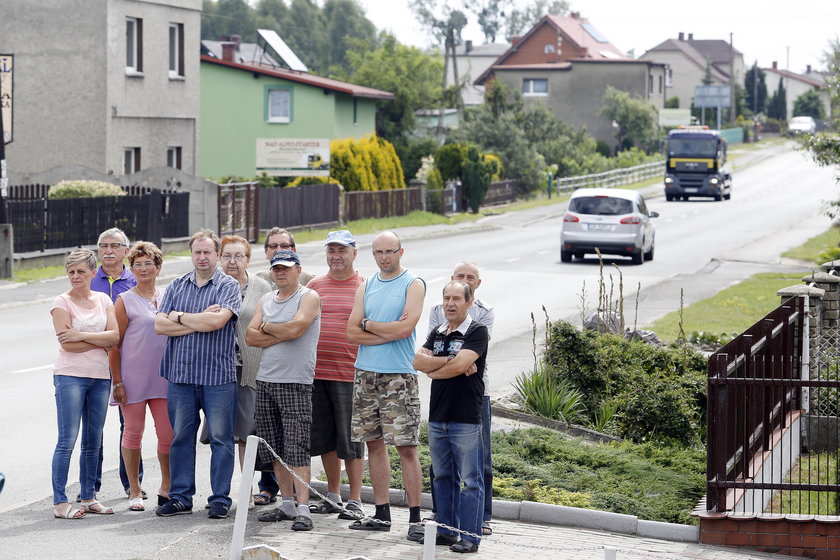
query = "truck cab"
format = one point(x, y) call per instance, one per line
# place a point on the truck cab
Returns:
point(695, 165)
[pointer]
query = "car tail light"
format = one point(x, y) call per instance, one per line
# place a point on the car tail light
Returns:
point(570, 218)
point(631, 220)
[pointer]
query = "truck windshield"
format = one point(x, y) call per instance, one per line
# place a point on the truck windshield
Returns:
point(692, 147)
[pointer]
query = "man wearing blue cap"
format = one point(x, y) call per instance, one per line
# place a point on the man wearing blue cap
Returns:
point(332, 392)
point(286, 325)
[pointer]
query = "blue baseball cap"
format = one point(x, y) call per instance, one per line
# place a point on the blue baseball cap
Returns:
point(341, 237)
point(285, 258)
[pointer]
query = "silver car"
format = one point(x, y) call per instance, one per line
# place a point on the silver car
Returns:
point(614, 221)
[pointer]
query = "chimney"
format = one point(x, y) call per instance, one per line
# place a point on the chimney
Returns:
point(808, 69)
point(681, 36)
point(229, 51)
point(515, 40)
point(468, 46)
point(575, 15)
point(691, 36)
point(775, 65)
point(236, 39)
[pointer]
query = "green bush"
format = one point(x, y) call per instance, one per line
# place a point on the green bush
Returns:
point(84, 189)
point(658, 394)
point(449, 160)
point(545, 394)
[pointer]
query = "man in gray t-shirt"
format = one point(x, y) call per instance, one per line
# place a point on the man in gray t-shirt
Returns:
point(286, 325)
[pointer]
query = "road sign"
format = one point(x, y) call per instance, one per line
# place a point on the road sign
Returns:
point(711, 96)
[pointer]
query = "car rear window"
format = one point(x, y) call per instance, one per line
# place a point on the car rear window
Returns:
point(601, 205)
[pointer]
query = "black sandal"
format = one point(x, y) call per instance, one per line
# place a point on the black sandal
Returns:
point(264, 499)
point(302, 523)
point(277, 514)
point(371, 524)
point(324, 507)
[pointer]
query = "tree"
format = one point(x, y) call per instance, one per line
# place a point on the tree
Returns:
point(777, 107)
point(228, 17)
point(636, 119)
point(413, 77)
point(809, 104)
point(519, 21)
point(346, 19)
point(490, 16)
point(756, 89)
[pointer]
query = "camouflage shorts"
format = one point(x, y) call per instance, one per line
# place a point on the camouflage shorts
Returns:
point(386, 406)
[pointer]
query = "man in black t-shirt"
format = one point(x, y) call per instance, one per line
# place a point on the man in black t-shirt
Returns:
point(453, 357)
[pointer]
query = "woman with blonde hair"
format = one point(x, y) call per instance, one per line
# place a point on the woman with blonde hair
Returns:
point(86, 326)
point(135, 364)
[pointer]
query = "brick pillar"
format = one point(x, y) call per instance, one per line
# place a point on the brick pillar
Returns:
point(815, 296)
point(830, 283)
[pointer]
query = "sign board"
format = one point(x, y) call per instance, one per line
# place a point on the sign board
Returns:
point(6, 90)
point(674, 117)
point(711, 96)
point(294, 157)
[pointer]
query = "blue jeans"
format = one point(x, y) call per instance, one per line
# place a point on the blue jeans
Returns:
point(219, 405)
point(78, 400)
point(488, 459)
point(457, 458)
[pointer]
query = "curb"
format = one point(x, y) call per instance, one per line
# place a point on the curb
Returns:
point(550, 514)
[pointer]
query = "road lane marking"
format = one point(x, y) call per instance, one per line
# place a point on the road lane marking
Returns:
point(514, 259)
point(438, 279)
point(543, 252)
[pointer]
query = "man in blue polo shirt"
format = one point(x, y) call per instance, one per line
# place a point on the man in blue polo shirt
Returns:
point(113, 278)
point(198, 313)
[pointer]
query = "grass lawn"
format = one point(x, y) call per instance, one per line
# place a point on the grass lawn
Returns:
point(733, 309)
point(816, 246)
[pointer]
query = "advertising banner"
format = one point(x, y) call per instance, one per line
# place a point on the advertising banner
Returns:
point(293, 157)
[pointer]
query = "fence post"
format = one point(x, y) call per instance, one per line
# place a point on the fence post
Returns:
point(7, 244)
point(154, 207)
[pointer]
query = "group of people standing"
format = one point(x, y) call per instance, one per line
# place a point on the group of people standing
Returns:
point(313, 366)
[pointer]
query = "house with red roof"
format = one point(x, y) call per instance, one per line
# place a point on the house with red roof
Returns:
point(797, 84)
point(247, 95)
point(690, 60)
point(566, 64)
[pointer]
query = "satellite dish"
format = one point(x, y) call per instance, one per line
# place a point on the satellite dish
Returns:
point(273, 40)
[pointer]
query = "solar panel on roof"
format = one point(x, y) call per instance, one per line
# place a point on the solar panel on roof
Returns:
point(282, 49)
point(589, 28)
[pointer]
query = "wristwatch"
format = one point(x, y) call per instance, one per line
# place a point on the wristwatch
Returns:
point(180, 314)
point(363, 324)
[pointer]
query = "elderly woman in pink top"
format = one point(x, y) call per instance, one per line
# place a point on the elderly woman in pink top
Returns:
point(135, 362)
point(86, 327)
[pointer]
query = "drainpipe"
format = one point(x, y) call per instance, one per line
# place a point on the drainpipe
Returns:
point(806, 353)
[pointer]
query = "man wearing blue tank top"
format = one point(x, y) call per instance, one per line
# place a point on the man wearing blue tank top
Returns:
point(386, 401)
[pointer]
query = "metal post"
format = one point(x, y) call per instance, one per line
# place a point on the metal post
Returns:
point(550, 177)
point(238, 539)
point(609, 553)
point(429, 538)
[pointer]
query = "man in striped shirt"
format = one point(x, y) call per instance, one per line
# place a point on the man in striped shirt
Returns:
point(198, 313)
point(332, 392)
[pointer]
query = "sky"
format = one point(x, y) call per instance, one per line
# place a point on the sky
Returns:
point(794, 34)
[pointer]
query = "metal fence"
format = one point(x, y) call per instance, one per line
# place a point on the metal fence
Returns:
point(765, 406)
point(238, 209)
point(41, 224)
point(612, 178)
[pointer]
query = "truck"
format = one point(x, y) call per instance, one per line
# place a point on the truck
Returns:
point(695, 164)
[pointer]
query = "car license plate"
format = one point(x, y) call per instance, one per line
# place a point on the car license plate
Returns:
point(690, 190)
point(600, 227)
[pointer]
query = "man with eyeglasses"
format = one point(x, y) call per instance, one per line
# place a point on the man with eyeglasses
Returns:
point(278, 239)
point(113, 278)
point(386, 402)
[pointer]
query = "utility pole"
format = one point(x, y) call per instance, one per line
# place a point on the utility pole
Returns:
point(732, 84)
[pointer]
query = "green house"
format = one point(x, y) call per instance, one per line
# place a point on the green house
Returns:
point(242, 102)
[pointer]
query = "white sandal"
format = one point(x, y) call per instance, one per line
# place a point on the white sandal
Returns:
point(136, 504)
point(96, 507)
point(69, 513)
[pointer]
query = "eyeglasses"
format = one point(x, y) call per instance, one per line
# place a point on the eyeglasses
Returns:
point(111, 245)
point(385, 253)
point(237, 258)
point(147, 264)
point(283, 246)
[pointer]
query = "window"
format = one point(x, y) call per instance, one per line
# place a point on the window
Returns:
point(134, 45)
point(279, 105)
point(532, 86)
point(548, 49)
point(131, 160)
point(355, 111)
point(660, 84)
point(173, 157)
point(176, 50)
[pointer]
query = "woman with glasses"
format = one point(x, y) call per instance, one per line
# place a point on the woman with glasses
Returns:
point(236, 255)
point(135, 361)
point(86, 327)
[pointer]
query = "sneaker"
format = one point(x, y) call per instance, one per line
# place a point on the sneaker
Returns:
point(218, 510)
point(172, 507)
